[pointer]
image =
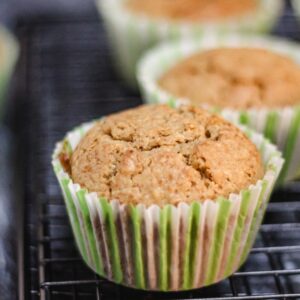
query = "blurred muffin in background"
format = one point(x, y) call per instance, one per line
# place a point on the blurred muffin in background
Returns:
point(136, 25)
point(192, 10)
point(238, 78)
point(250, 80)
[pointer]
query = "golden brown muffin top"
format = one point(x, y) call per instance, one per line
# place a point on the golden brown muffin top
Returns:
point(235, 77)
point(159, 155)
point(192, 10)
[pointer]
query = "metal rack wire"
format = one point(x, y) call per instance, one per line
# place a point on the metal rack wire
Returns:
point(68, 80)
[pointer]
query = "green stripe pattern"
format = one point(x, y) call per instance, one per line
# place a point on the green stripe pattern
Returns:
point(137, 248)
point(192, 245)
point(98, 233)
point(218, 241)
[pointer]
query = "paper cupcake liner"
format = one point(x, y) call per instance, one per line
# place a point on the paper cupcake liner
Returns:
point(130, 34)
point(7, 62)
point(281, 126)
point(168, 248)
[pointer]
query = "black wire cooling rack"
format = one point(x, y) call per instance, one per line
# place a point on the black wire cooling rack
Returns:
point(67, 79)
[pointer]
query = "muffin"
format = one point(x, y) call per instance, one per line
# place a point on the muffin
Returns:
point(134, 26)
point(192, 10)
point(237, 78)
point(165, 199)
point(250, 80)
point(8, 56)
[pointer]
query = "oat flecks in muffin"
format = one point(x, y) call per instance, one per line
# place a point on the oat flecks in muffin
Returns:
point(158, 155)
point(235, 77)
point(192, 10)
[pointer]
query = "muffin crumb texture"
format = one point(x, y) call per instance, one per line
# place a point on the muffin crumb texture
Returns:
point(239, 78)
point(159, 155)
point(192, 10)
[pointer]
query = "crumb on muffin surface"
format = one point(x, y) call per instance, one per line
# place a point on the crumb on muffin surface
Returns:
point(235, 77)
point(159, 155)
point(192, 10)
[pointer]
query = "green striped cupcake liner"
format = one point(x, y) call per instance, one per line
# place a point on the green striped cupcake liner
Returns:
point(131, 34)
point(8, 55)
point(280, 126)
point(167, 248)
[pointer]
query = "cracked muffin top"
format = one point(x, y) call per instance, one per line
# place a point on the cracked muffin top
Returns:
point(156, 154)
point(192, 10)
point(239, 78)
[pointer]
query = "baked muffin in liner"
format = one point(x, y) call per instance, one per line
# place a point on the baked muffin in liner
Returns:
point(8, 55)
point(131, 34)
point(168, 247)
point(280, 125)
